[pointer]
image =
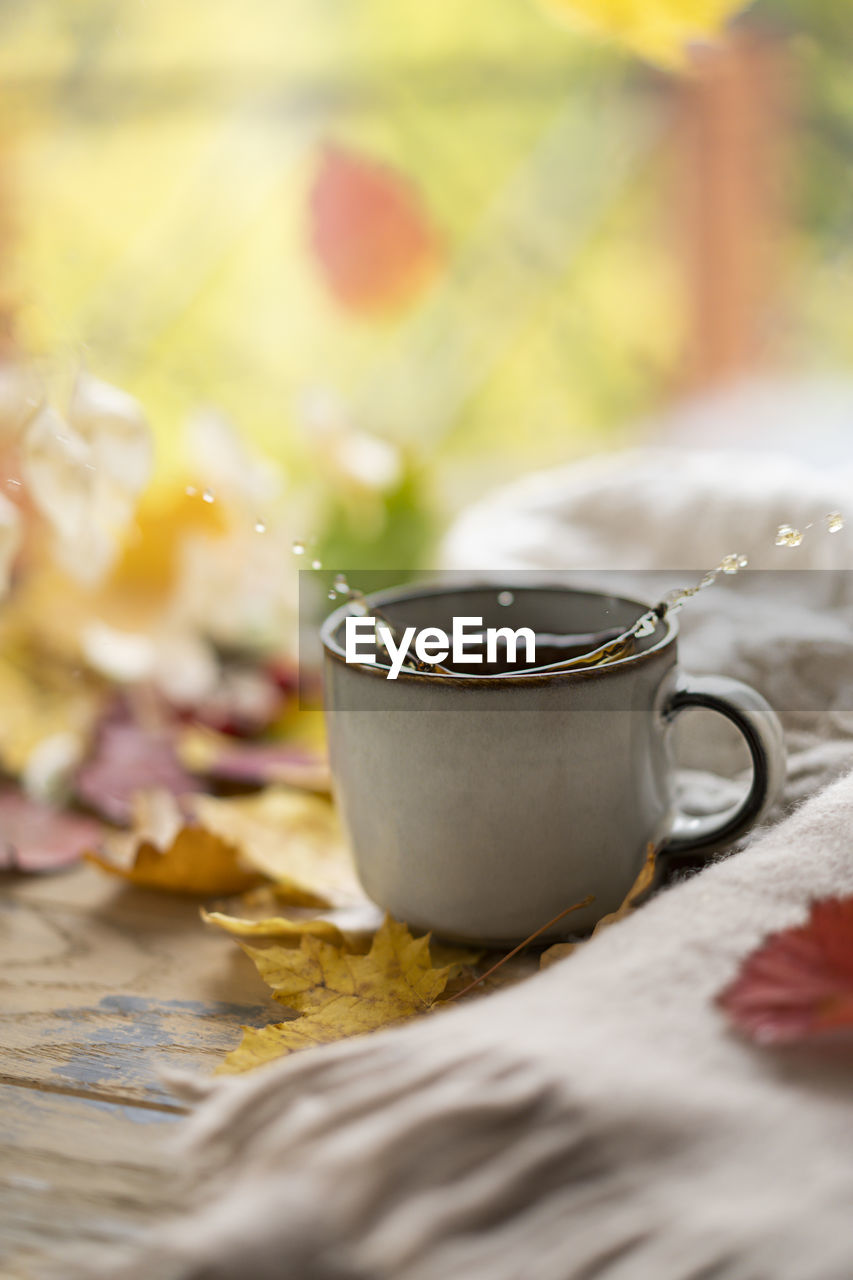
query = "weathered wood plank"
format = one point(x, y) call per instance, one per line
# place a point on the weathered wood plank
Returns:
point(103, 987)
point(75, 1173)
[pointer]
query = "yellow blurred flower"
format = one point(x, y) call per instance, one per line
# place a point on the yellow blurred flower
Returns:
point(659, 30)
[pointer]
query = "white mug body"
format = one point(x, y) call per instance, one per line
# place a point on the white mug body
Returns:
point(481, 807)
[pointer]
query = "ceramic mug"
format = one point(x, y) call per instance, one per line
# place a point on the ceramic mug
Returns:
point(480, 806)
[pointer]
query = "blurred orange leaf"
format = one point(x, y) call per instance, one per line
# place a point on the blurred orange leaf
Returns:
point(196, 862)
point(164, 853)
point(371, 234)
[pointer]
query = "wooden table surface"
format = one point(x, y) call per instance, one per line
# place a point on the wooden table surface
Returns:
point(103, 987)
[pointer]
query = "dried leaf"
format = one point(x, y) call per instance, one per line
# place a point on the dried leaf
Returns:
point(253, 763)
point(129, 758)
point(286, 932)
point(292, 838)
point(340, 994)
point(638, 889)
point(36, 837)
point(353, 927)
point(660, 30)
point(41, 699)
point(371, 233)
point(798, 985)
point(163, 853)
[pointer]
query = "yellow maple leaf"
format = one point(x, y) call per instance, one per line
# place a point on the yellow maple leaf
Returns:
point(352, 928)
point(659, 30)
point(287, 932)
point(290, 837)
point(162, 852)
point(338, 993)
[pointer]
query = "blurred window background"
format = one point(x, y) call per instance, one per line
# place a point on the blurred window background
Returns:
point(485, 237)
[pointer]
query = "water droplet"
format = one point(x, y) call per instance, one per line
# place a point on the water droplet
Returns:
point(834, 522)
point(786, 536)
point(733, 562)
point(208, 496)
point(505, 597)
point(191, 491)
point(333, 595)
point(341, 584)
point(298, 547)
point(316, 564)
point(260, 527)
point(645, 626)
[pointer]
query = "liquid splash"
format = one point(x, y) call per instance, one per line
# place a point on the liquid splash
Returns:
point(614, 649)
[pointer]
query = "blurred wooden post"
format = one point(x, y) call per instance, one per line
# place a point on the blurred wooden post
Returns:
point(732, 119)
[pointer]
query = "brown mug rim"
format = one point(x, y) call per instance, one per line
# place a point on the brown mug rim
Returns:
point(394, 595)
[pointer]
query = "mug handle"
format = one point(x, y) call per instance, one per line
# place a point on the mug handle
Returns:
point(760, 726)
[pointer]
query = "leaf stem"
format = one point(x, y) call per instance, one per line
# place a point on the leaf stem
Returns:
point(509, 955)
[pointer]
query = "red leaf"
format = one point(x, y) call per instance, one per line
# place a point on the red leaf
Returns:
point(35, 837)
point(129, 758)
point(799, 983)
point(371, 234)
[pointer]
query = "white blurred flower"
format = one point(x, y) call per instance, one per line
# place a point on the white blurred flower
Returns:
point(353, 456)
point(116, 430)
point(86, 472)
point(178, 661)
point(221, 464)
point(367, 460)
point(238, 589)
point(58, 469)
point(20, 398)
point(51, 764)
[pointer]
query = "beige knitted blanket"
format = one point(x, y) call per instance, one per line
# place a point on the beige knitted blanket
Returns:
point(600, 1120)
